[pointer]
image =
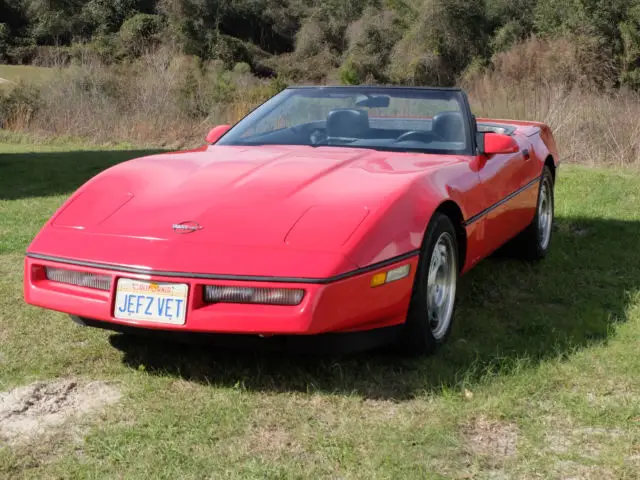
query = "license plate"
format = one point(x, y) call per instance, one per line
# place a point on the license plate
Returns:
point(156, 302)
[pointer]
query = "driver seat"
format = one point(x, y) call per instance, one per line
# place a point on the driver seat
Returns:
point(347, 122)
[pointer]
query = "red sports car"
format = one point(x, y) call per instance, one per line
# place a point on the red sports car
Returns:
point(328, 212)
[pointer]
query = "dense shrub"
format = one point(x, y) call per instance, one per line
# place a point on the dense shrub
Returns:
point(447, 35)
point(312, 69)
point(404, 41)
point(18, 106)
point(312, 38)
point(140, 33)
point(370, 42)
point(4, 42)
point(630, 57)
point(557, 61)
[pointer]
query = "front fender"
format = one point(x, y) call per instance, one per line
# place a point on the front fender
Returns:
point(399, 226)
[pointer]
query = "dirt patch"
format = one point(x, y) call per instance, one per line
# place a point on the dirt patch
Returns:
point(569, 470)
point(43, 407)
point(272, 440)
point(587, 441)
point(491, 438)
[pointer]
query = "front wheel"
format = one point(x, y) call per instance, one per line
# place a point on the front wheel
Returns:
point(430, 315)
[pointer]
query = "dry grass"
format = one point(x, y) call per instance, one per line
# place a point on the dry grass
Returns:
point(590, 128)
point(554, 82)
point(161, 99)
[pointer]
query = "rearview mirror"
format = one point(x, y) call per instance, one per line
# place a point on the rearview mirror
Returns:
point(496, 143)
point(217, 132)
point(374, 101)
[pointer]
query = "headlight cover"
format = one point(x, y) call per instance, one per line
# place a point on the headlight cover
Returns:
point(255, 295)
point(80, 279)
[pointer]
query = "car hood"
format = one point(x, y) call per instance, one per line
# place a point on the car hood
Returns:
point(276, 198)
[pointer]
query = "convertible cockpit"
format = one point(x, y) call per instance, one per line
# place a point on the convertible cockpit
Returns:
point(397, 120)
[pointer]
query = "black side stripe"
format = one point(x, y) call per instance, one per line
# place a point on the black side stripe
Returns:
point(244, 278)
point(478, 216)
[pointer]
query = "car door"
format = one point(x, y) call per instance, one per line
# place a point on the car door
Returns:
point(510, 192)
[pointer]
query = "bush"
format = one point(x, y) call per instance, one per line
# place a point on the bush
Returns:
point(108, 16)
point(630, 36)
point(18, 106)
point(439, 45)
point(507, 36)
point(414, 63)
point(349, 74)
point(510, 21)
point(48, 56)
point(22, 54)
point(140, 33)
point(310, 69)
point(559, 62)
point(371, 40)
point(230, 51)
point(4, 42)
point(325, 29)
point(102, 49)
point(311, 39)
point(242, 68)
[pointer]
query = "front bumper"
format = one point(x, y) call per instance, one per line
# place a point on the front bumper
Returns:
point(346, 305)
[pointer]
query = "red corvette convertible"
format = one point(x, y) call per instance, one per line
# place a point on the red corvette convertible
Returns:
point(340, 213)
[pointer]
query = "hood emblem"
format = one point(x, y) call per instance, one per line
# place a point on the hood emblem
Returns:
point(186, 227)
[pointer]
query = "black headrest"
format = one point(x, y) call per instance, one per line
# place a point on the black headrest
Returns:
point(449, 125)
point(347, 122)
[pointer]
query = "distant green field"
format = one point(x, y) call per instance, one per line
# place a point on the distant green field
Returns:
point(24, 73)
point(540, 378)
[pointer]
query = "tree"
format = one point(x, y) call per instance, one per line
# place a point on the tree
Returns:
point(54, 22)
point(445, 38)
point(140, 32)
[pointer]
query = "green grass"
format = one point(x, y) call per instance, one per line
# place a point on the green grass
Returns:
point(25, 74)
point(539, 378)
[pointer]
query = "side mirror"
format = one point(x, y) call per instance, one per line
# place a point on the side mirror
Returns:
point(496, 143)
point(217, 132)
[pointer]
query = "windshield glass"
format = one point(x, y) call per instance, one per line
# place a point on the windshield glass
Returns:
point(396, 119)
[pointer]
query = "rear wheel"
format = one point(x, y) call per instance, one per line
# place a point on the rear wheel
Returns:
point(533, 243)
point(430, 315)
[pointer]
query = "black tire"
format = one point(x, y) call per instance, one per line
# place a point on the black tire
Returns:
point(533, 243)
point(418, 337)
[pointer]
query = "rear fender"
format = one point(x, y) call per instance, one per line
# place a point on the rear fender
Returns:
point(540, 135)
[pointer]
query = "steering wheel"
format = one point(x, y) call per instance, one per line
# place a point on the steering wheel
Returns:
point(419, 135)
point(318, 137)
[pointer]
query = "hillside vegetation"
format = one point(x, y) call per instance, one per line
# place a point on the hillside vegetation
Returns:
point(400, 41)
point(162, 72)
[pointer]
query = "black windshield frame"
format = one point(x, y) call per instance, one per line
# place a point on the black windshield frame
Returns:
point(456, 94)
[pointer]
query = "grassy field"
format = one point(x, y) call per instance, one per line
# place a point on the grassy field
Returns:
point(13, 74)
point(539, 379)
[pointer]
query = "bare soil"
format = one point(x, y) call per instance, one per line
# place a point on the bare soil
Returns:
point(491, 438)
point(43, 408)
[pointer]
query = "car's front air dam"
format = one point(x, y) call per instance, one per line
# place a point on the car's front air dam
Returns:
point(349, 304)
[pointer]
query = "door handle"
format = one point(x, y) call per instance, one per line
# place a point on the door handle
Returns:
point(525, 154)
